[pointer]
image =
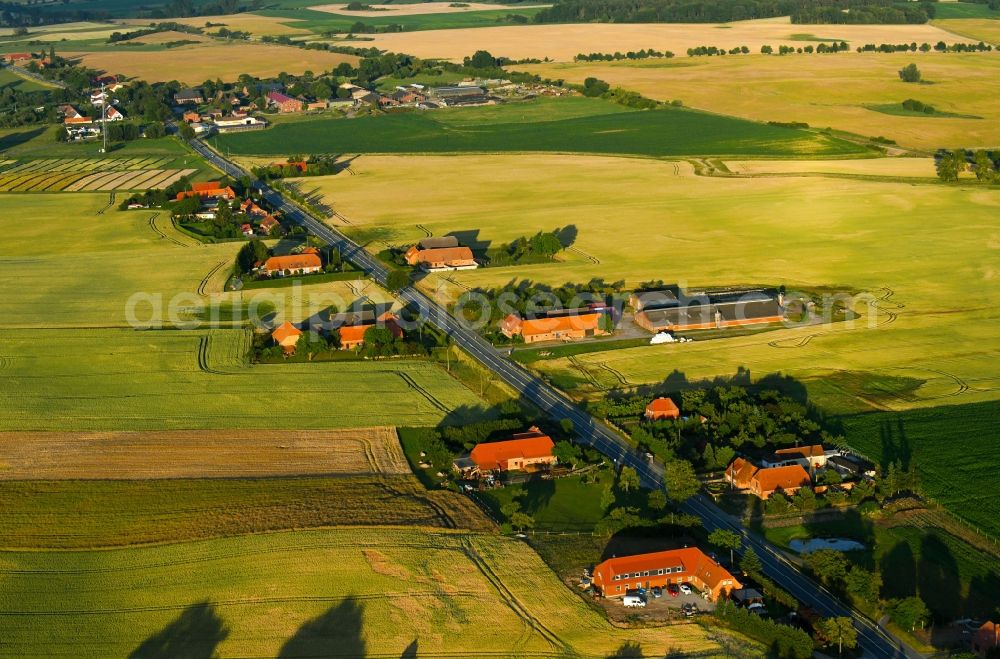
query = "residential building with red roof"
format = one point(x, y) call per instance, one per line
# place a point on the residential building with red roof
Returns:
point(15, 58)
point(662, 408)
point(352, 331)
point(527, 451)
point(293, 264)
point(986, 639)
point(564, 326)
point(788, 479)
point(808, 457)
point(614, 576)
point(268, 225)
point(286, 335)
point(739, 472)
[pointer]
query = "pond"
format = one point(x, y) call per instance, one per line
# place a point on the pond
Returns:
point(815, 544)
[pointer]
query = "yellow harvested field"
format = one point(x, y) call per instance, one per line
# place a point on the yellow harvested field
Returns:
point(904, 167)
point(980, 29)
point(253, 23)
point(824, 90)
point(199, 62)
point(165, 37)
point(199, 454)
point(387, 11)
point(562, 42)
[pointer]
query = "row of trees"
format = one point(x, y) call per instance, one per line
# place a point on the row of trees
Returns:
point(984, 164)
point(617, 55)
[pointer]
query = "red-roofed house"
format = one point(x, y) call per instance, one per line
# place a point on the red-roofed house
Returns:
point(662, 408)
point(286, 335)
point(353, 335)
point(268, 225)
point(986, 639)
point(441, 258)
point(292, 264)
point(788, 479)
point(615, 576)
point(739, 472)
point(17, 58)
point(207, 190)
point(284, 103)
point(572, 324)
point(808, 457)
point(526, 451)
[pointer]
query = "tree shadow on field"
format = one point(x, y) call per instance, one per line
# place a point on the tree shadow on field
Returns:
point(195, 634)
point(410, 652)
point(470, 238)
point(895, 444)
point(335, 633)
point(627, 649)
point(16, 139)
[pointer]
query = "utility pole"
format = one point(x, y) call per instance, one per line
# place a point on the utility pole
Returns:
point(104, 119)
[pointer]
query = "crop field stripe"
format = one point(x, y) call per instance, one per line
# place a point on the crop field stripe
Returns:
point(114, 182)
point(139, 183)
point(80, 183)
point(46, 181)
point(71, 177)
point(100, 182)
point(171, 178)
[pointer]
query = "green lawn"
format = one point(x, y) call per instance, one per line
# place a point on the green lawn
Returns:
point(963, 10)
point(585, 126)
point(11, 80)
point(945, 445)
point(560, 504)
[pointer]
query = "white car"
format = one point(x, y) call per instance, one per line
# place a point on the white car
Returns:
point(686, 589)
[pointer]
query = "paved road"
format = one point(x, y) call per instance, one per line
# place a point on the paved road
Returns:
point(557, 405)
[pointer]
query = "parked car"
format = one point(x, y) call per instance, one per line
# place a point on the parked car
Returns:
point(673, 590)
point(657, 591)
point(634, 601)
point(689, 609)
point(686, 589)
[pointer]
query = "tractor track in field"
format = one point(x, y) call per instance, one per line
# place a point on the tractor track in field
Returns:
point(159, 232)
point(426, 231)
point(452, 280)
point(340, 217)
point(510, 599)
point(879, 304)
point(578, 365)
point(408, 379)
point(204, 281)
point(615, 373)
point(439, 512)
point(580, 252)
point(111, 202)
point(204, 348)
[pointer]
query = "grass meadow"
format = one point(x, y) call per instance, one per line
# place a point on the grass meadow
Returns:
point(593, 126)
point(341, 592)
point(823, 90)
point(918, 249)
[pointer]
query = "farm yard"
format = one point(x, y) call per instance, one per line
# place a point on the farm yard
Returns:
point(326, 592)
point(823, 90)
point(133, 380)
point(860, 235)
point(579, 125)
point(185, 454)
point(90, 174)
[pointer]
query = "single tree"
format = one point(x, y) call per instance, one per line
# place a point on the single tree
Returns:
point(521, 521)
point(657, 500)
point(680, 480)
point(909, 73)
point(724, 539)
point(628, 480)
point(839, 630)
point(750, 563)
point(909, 613)
point(397, 279)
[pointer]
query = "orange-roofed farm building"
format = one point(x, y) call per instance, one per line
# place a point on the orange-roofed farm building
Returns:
point(527, 451)
point(352, 333)
point(284, 103)
point(986, 639)
point(441, 258)
point(690, 565)
point(807, 457)
point(662, 408)
point(293, 264)
point(286, 335)
point(209, 190)
point(572, 324)
point(787, 479)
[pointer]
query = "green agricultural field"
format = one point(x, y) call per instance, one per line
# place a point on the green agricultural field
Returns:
point(310, 593)
point(133, 380)
point(10, 80)
point(639, 220)
point(826, 90)
point(322, 21)
point(79, 514)
point(944, 446)
point(589, 126)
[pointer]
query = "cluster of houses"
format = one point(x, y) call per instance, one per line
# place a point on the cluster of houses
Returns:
point(351, 327)
point(559, 325)
point(440, 253)
point(237, 118)
point(789, 469)
point(24, 59)
point(80, 126)
point(260, 222)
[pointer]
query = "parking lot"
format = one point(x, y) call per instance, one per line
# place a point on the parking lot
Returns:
point(665, 607)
